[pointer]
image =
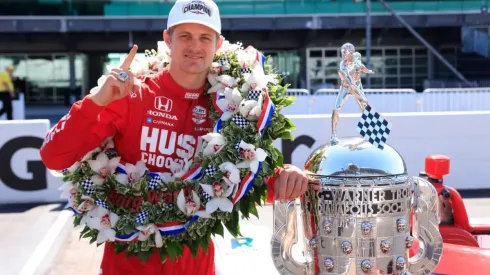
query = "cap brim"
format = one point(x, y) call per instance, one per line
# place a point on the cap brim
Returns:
point(195, 22)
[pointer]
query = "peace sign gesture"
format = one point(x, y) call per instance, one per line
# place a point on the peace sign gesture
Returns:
point(118, 83)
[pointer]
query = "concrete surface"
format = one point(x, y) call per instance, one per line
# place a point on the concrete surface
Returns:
point(21, 231)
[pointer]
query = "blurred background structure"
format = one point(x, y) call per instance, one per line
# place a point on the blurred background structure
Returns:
point(60, 47)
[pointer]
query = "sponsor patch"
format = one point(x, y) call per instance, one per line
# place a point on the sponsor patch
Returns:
point(199, 114)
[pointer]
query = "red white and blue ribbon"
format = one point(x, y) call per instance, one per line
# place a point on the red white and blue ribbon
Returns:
point(126, 238)
point(194, 173)
point(216, 97)
point(266, 114)
point(260, 58)
point(171, 228)
point(217, 127)
point(245, 185)
point(121, 167)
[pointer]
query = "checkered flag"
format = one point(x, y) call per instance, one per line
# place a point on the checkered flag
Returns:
point(240, 121)
point(87, 184)
point(140, 219)
point(237, 146)
point(102, 203)
point(210, 170)
point(149, 54)
point(254, 95)
point(154, 181)
point(205, 195)
point(245, 71)
point(373, 127)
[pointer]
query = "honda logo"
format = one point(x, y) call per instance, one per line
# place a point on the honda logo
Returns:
point(163, 104)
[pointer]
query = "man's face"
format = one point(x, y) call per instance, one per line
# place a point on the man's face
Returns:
point(192, 47)
point(10, 71)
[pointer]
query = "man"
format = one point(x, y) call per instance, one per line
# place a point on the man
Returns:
point(7, 92)
point(152, 118)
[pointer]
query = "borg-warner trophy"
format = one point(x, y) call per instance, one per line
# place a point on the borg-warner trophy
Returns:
point(362, 212)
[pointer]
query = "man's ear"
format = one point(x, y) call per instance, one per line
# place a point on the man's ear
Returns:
point(166, 38)
point(220, 42)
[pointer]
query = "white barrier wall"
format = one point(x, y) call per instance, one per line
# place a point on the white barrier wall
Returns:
point(23, 177)
point(18, 106)
point(460, 135)
point(431, 100)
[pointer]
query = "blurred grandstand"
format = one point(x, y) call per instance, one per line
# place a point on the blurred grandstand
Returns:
point(60, 47)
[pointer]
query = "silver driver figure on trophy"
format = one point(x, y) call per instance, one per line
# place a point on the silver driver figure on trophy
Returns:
point(350, 70)
point(360, 200)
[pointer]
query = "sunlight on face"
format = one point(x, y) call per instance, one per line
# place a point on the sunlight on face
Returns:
point(192, 47)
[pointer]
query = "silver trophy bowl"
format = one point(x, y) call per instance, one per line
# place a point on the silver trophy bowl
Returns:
point(361, 212)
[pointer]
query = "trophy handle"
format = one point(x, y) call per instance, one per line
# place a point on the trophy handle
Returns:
point(425, 228)
point(284, 236)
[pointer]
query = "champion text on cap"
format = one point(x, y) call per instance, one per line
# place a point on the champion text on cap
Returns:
point(204, 12)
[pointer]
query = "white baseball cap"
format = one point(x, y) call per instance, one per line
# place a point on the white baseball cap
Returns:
point(204, 12)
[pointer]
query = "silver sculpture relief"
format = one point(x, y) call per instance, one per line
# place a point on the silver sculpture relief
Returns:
point(356, 214)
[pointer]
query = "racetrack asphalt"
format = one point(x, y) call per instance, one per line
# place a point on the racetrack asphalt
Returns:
point(39, 239)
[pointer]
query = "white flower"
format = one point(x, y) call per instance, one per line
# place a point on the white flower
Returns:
point(232, 174)
point(89, 154)
point(213, 143)
point(213, 73)
point(227, 81)
point(68, 190)
point(87, 204)
point(73, 168)
point(147, 230)
point(251, 156)
point(103, 221)
point(254, 113)
point(219, 194)
point(246, 108)
point(133, 173)
point(103, 166)
point(190, 206)
point(108, 143)
point(227, 47)
point(257, 79)
point(230, 104)
point(177, 170)
point(163, 51)
point(248, 57)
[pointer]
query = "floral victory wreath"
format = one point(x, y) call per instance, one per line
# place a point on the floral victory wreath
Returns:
point(135, 208)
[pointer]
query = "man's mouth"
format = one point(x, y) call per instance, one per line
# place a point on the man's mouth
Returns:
point(195, 57)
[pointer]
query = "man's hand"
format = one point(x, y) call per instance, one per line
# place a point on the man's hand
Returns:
point(113, 89)
point(290, 184)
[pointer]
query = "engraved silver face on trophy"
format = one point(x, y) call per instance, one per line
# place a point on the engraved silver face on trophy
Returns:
point(356, 210)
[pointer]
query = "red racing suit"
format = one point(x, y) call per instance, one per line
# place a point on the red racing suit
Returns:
point(159, 125)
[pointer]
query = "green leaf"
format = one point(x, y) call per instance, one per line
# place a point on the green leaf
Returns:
point(233, 225)
point(286, 135)
point(174, 249)
point(162, 252)
point(253, 210)
point(244, 205)
point(204, 242)
point(85, 230)
point(144, 255)
point(218, 229)
point(194, 247)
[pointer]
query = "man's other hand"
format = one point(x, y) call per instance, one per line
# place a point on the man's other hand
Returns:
point(290, 183)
